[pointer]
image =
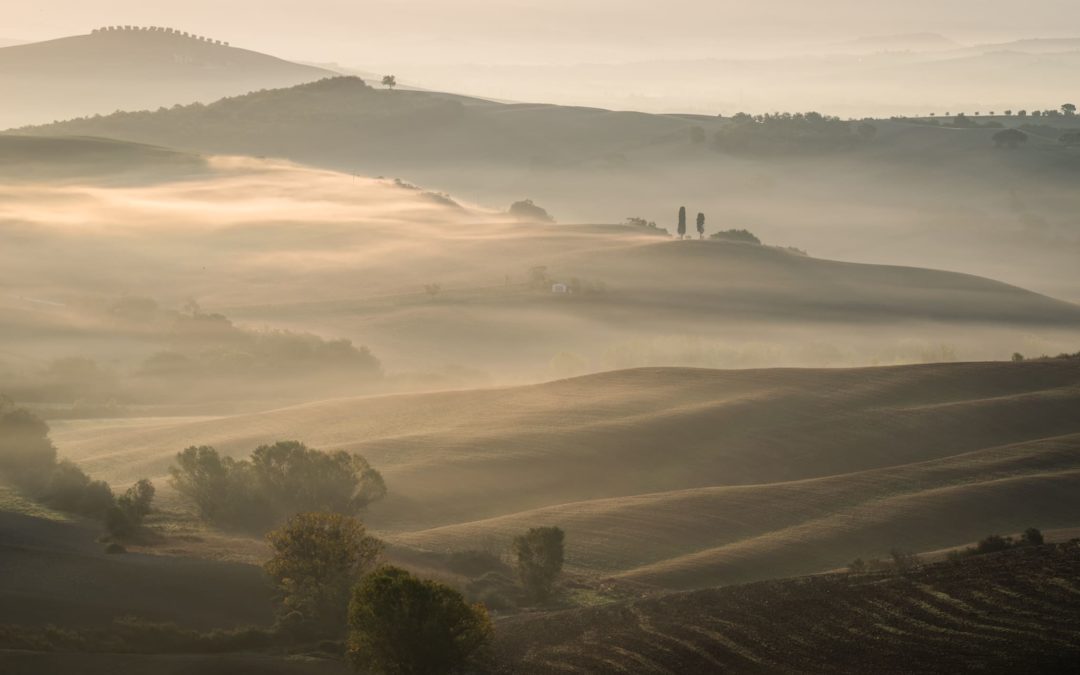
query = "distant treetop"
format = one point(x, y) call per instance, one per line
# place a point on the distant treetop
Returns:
point(157, 29)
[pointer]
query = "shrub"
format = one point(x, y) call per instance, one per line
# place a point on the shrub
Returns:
point(400, 624)
point(1032, 537)
point(539, 553)
point(1009, 138)
point(318, 558)
point(993, 544)
point(527, 211)
point(904, 561)
point(744, 236)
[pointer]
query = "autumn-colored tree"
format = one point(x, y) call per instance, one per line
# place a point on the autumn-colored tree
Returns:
point(318, 558)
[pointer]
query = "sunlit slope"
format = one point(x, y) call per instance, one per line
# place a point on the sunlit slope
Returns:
point(1010, 612)
point(685, 477)
point(103, 72)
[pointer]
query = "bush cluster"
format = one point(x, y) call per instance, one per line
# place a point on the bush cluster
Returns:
point(995, 542)
point(788, 133)
point(29, 462)
point(277, 481)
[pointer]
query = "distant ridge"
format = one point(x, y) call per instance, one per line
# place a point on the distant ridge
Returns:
point(132, 68)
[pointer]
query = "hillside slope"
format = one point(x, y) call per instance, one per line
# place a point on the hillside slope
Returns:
point(907, 194)
point(1011, 612)
point(684, 478)
point(131, 69)
point(52, 571)
point(282, 246)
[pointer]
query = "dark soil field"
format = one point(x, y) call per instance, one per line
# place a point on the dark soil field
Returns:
point(1012, 612)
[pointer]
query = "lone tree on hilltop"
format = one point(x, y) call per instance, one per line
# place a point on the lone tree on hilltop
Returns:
point(1068, 108)
point(701, 225)
point(389, 81)
point(1009, 138)
point(682, 222)
point(540, 553)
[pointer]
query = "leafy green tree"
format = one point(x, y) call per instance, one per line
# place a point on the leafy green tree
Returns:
point(278, 481)
point(701, 225)
point(291, 474)
point(202, 476)
point(402, 625)
point(389, 81)
point(540, 553)
point(682, 222)
point(1068, 108)
point(125, 517)
point(318, 558)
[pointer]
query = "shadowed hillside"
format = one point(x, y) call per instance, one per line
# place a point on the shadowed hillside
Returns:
point(684, 478)
point(1011, 612)
point(52, 569)
point(131, 68)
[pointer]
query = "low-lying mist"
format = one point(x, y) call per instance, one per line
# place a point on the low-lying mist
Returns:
point(259, 282)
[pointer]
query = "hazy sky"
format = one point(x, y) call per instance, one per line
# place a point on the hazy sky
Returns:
point(355, 33)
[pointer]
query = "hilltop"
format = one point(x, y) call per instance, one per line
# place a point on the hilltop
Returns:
point(131, 68)
point(684, 478)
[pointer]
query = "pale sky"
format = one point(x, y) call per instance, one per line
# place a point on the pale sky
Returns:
point(356, 33)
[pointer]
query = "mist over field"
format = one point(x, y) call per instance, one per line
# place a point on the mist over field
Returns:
point(539, 337)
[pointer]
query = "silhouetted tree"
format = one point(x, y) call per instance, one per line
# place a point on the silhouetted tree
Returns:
point(1068, 108)
point(1032, 537)
point(389, 81)
point(402, 625)
point(682, 222)
point(539, 553)
point(701, 225)
point(318, 558)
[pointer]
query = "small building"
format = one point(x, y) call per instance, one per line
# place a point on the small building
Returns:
point(560, 288)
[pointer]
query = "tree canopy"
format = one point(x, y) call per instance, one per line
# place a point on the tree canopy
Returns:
point(402, 625)
point(318, 558)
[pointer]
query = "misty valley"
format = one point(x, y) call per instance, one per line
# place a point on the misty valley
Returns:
point(304, 370)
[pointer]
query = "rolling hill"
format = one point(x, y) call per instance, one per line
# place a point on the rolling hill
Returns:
point(906, 194)
point(678, 478)
point(280, 246)
point(1010, 612)
point(131, 68)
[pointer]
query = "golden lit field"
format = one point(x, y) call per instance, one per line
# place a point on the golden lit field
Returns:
point(683, 477)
